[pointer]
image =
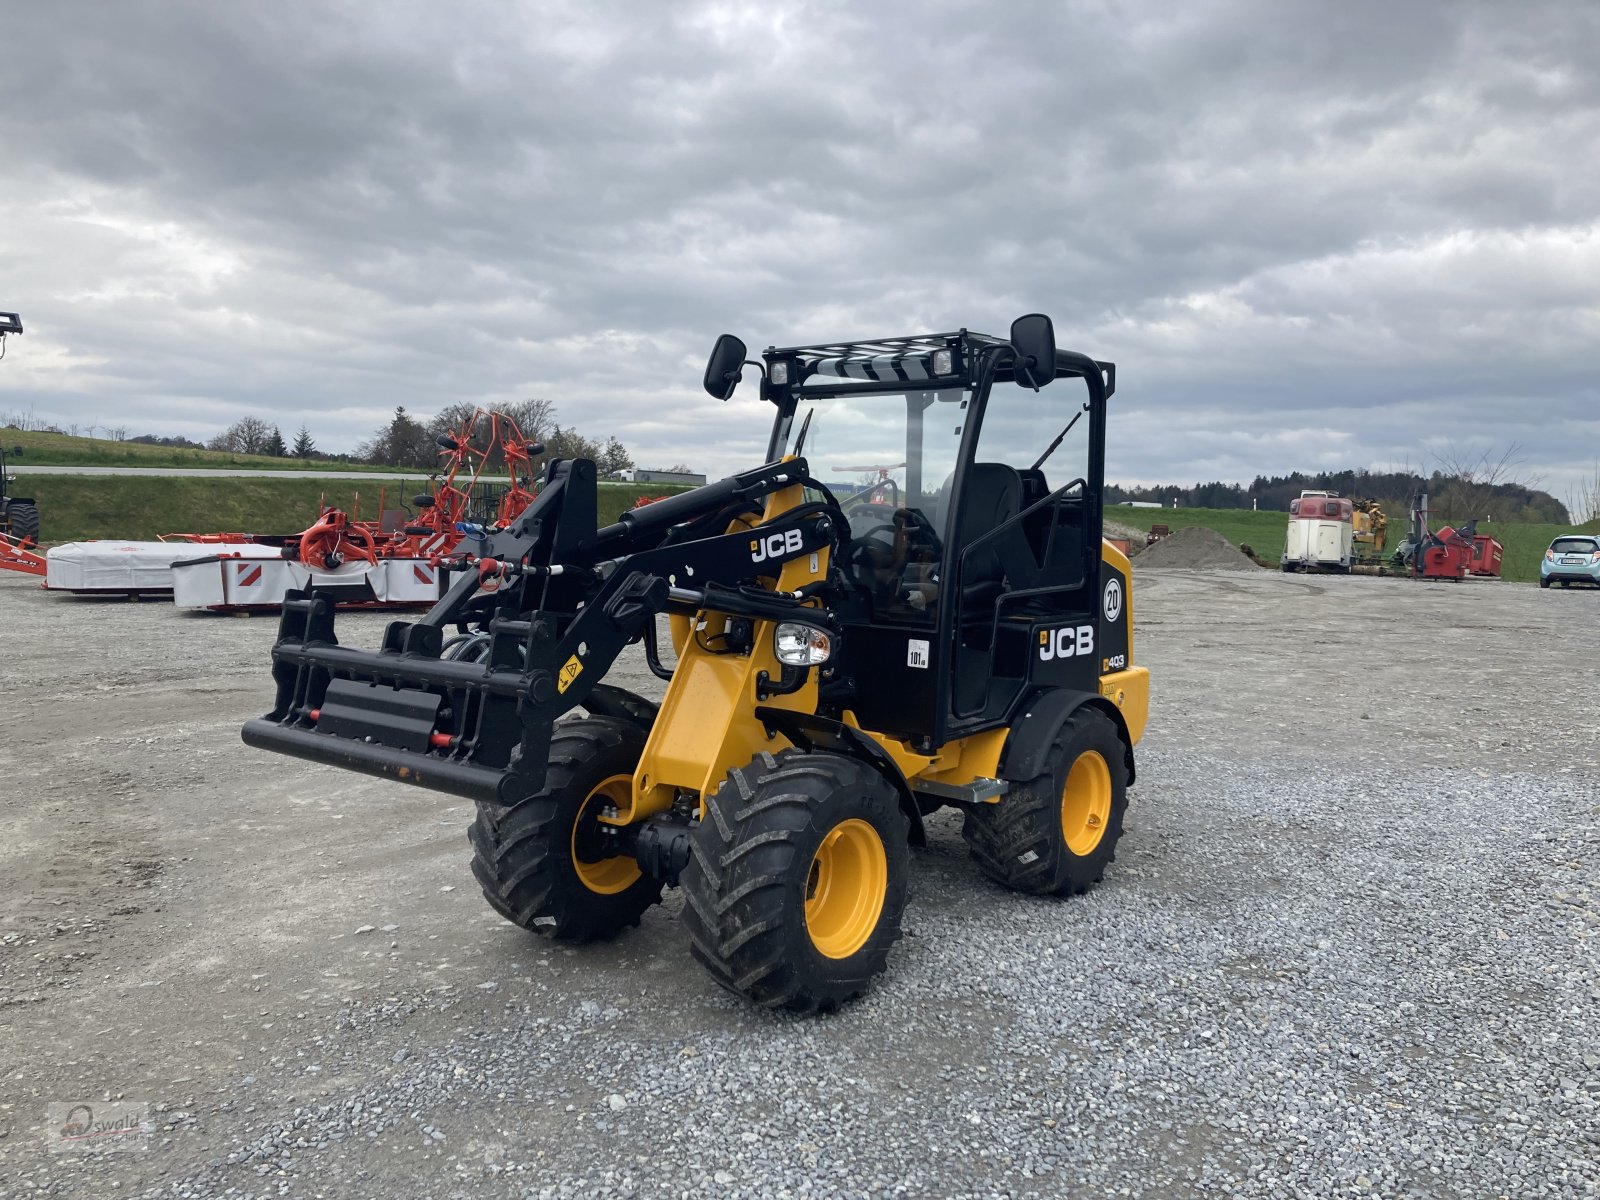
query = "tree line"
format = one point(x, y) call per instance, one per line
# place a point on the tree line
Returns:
point(409, 442)
point(1460, 488)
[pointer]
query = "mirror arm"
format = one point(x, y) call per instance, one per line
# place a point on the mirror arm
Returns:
point(1023, 363)
point(739, 370)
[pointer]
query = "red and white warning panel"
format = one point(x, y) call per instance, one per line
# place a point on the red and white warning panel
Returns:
point(234, 581)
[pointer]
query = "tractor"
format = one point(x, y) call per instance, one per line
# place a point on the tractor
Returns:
point(19, 515)
point(835, 671)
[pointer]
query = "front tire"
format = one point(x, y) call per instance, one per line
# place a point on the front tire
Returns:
point(539, 861)
point(1056, 833)
point(798, 880)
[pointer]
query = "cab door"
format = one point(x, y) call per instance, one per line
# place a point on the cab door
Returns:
point(1023, 548)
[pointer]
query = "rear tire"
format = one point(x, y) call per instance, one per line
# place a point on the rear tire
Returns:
point(24, 519)
point(1056, 833)
point(533, 858)
point(1544, 583)
point(798, 880)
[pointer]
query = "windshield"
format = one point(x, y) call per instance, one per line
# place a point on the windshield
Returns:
point(889, 457)
point(881, 452)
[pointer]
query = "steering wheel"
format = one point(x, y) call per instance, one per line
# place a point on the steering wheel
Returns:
point(906, 535)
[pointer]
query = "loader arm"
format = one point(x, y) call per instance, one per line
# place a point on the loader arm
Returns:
point(559, 600)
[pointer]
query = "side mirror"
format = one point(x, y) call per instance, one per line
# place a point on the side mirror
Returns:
point(1033, 337)
point(722, 372)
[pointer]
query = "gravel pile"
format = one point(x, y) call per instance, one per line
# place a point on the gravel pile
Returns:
point(1196, 548)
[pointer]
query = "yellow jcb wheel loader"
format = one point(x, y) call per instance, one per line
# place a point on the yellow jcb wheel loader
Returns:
point(843, 664)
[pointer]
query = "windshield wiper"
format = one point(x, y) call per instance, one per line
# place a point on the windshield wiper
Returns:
point(1051, 448)
point(800, 442)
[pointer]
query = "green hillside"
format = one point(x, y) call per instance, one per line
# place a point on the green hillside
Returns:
point(79, 507)
point(64, 450)
point(1264, 532)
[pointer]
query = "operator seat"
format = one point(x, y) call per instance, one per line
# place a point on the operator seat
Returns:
point(993, 494)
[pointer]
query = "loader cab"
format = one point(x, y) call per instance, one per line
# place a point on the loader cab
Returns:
point(974, 510)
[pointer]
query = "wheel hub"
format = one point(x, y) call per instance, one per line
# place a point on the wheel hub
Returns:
point(1086, 803)
point(845, 888)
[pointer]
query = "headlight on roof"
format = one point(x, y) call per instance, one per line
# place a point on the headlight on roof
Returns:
point(799, 645)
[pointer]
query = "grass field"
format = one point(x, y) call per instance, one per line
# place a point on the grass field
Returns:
point(64, 450)
point(1264, 532)
point(76, 508)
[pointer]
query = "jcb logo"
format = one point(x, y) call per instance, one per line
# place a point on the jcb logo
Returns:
point(776, 545)
point(1066, 642)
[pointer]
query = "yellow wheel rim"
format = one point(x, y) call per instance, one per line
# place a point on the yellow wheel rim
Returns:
point(1086, 803)
point(606, 876)
point(845, 888)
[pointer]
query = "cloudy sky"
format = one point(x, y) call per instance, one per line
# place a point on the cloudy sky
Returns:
point(1310, 234)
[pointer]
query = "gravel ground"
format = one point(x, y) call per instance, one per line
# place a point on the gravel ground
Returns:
point(1348, 947)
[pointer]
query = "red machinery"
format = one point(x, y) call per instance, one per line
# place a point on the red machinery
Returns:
point(378, 563)
point(1447, 554)
point(16, 555)
point(336, 538)
point(1486, 555)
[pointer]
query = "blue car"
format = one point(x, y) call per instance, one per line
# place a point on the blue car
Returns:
point(1573, 559)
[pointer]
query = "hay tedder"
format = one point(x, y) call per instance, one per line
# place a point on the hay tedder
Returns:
point(838, 670)
point(398, 560)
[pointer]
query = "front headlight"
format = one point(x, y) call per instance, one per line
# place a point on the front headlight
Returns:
point(799, 645)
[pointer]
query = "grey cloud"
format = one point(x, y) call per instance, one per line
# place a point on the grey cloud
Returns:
point(1279, 218)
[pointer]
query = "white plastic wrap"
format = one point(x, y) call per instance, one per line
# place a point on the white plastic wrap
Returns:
point(109, 566)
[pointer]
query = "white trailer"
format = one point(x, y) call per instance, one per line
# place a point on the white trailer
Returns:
point(1321, 533)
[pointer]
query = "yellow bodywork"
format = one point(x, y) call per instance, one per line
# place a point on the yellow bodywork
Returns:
point(1129, 688)
point(1370, 525)
point(707, 723)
